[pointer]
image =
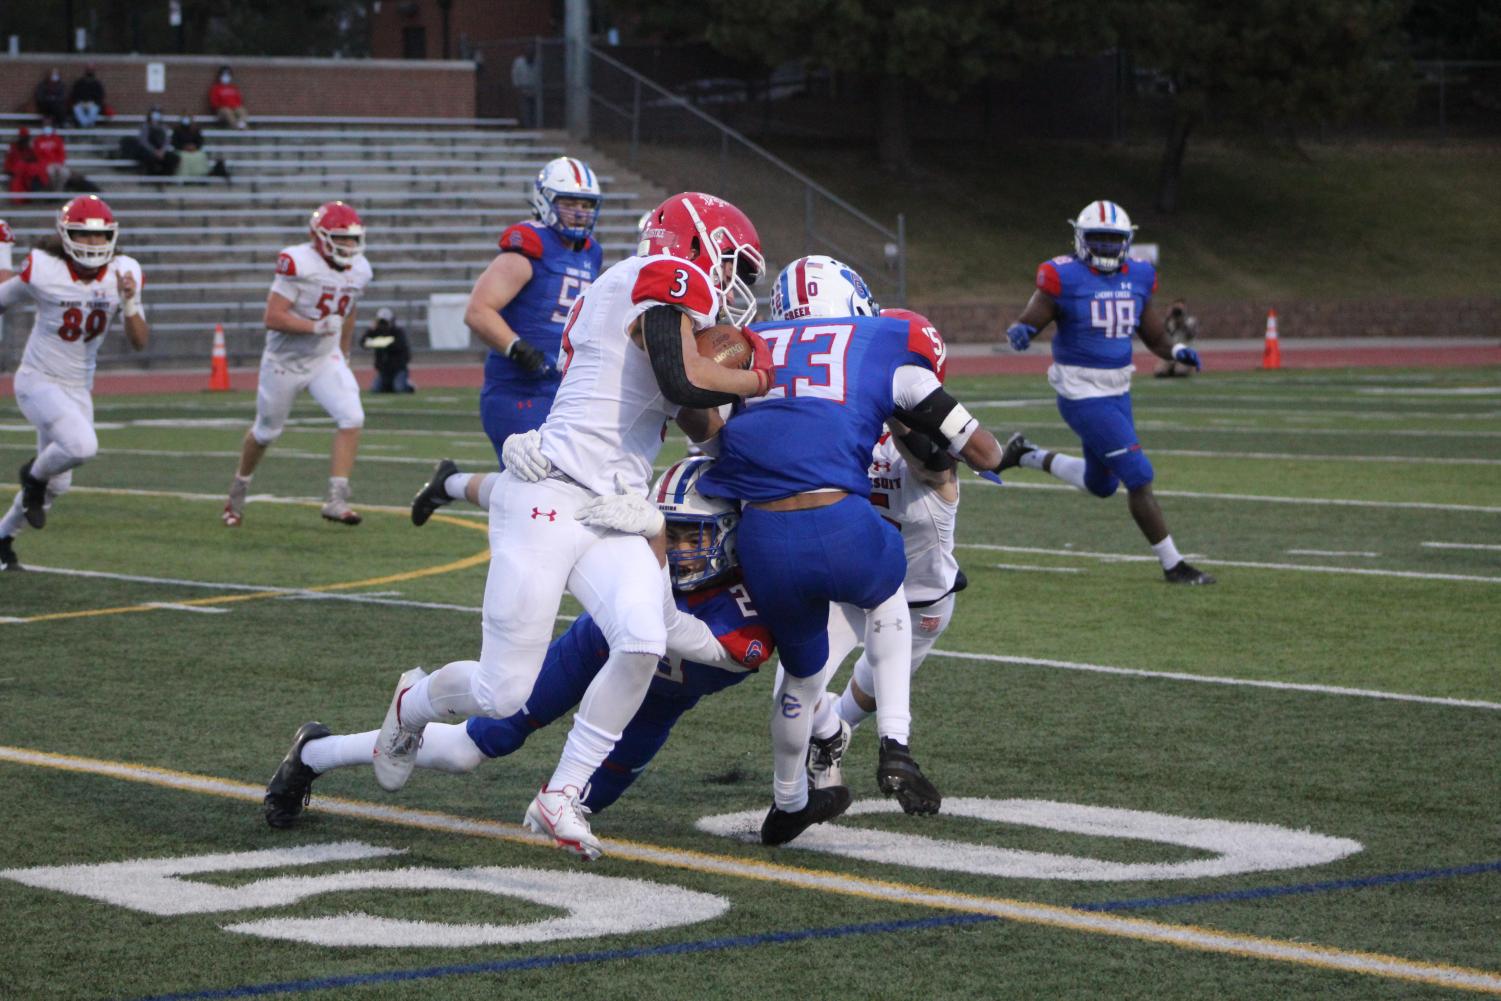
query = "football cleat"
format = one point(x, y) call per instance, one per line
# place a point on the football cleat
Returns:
point(432, 495)
point(781, 826)
point(8, 559)
point(824, 757)
point(292, 786)
point(234, 506)
point(561, 815)
point(337, 507)
point(33, 497)
point(1016, 447)
point(395, 745)
point(898, 775)
point(1184, 572)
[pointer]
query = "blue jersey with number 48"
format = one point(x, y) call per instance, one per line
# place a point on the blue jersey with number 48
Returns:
point(833, 392)
point(1098, 312)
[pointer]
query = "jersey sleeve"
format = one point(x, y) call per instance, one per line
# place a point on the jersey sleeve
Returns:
point(522, 239)
point(669, 282)
point(924, 340)
point(285, 282)
point(25, 273)
point(1048, 279)
point(751, 645)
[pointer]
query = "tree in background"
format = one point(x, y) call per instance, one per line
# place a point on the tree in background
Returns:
point(1273, 65)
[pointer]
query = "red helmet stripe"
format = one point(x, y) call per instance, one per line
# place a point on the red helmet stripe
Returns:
point(802, 281)
point(578, 176)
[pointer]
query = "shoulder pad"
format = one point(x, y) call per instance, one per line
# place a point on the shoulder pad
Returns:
point(522, 238)
point(674, 283)
point(1048, 279)
point(286, 264)
point(924, 340)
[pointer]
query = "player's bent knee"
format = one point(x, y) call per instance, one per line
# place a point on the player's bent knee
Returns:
point(1136, 472)
point(501, 696)
point(351, 423)
point(264, 434)
point(638, 628)
point(1102, 486)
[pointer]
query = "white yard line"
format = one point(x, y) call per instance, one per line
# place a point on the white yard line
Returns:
point(1331, 552)
point(1028, 566)
point(1014, 484)
point(173, 607)
point(1406, 460)
point(1487, 547)
point(287, 453)
point(459, 509)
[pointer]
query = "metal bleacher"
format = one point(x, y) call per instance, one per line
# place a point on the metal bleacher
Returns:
point(435, 196)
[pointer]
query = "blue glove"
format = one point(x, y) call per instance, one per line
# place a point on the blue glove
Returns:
point(987, 474)
point(1187, 356)
point(1020, 335)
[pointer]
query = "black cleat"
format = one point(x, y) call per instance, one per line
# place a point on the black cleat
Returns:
point(292, 786)
point(780, 827)
point(898, 775)
point(8, 559)
point(1011, 455)
point(33, 496)
point(1185, 573)
point(432, 495)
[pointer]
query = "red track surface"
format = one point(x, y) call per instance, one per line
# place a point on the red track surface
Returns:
point(470, 375)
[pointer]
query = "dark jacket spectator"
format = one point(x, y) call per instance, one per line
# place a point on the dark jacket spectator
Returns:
point(51, 96)
point(392, 354)
point(26, 169)
point(192, 159)
point(87, 98)
point(152, 146)
point(186, 136)
point(226, 101)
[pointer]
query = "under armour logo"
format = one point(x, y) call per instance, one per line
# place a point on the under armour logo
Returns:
point(876, 624)
point(539, 513)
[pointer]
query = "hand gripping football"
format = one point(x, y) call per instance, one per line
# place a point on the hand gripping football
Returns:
point(724, 345)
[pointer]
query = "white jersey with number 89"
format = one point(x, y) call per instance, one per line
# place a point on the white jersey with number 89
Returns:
point(316, 289)
point(73, 315)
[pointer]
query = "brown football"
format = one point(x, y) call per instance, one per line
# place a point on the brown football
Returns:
point(724, 345)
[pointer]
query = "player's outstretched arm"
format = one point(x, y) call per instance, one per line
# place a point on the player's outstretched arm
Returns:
point(1154, 335)
point(684, 376)
point(1040, 311)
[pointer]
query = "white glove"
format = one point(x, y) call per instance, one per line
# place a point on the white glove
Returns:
point(522, 455)
point(622, 511)
point(331, 325)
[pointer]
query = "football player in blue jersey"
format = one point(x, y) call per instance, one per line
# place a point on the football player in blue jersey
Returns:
point(520, 304)
point(1098, 297)
point(715, 640)
point(798, 458)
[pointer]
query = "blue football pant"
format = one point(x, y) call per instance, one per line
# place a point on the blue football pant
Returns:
point(1112, 454)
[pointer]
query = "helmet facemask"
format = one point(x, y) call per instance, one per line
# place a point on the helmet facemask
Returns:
point(342, 255)
point(700, 548)
point(89, 255)
point(1102, 249)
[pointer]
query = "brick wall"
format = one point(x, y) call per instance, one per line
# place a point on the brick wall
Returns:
point(353, 87)
point(975, 322)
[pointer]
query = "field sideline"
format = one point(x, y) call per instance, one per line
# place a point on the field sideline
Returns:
point(1281, 786)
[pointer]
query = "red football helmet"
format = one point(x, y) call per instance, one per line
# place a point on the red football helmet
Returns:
point(333, 219)
point(6, 236)
point(711, 233)
point(88, 214)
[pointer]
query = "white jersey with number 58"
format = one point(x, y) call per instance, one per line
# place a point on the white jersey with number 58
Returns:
point(72, 315)
point(609, 414)
point(316, 289)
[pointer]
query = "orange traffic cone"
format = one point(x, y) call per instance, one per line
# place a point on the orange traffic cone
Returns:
point(1271, 353)
point(218, 372)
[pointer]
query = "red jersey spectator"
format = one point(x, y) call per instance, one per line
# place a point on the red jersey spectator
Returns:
point(225, 100)
point(27, 172)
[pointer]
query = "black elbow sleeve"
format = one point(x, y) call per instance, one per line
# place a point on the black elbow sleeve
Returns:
point(929, 415)
point(928, 451)
point(661, 331)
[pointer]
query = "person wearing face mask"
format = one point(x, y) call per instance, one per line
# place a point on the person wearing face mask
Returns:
point(225, 99)
point(152, 146)
point(51, 96)
point(86, 99)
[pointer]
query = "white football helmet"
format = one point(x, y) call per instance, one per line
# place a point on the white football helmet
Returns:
point(715, 519)
point(820, 286)
point(566, 177)
point(1102, 235)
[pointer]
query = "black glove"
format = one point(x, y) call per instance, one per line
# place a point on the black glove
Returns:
point(531, 361)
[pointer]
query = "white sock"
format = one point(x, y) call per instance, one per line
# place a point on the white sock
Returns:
point(1167, 553)
point(849, 710)
point(888, 647)
point(585, 750)
point(612, 698)
point(447, 747)
point(444, 695)
point(1033, 459)
point(14, 519)
point(339, 751)
point(1068, 468)
point(486, 487)
point(455, 484)
point(791, 726)
point(244, 479)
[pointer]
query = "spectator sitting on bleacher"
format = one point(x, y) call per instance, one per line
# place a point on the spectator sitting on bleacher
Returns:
point(392, 354)
point(192, 159)
point(225, 99)
point(51, 96)
point(152, 146)
point(52, 151)
point(1181, 327)
point(87, 99)
point(27, 171)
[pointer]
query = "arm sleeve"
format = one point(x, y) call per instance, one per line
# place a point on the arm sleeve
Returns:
point(937, 414)
point(661, 330)
point(688, 637)
point(927, 451)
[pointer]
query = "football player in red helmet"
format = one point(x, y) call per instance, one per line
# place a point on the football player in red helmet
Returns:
point(309, 327)
point(715, 235)
point(78, 284)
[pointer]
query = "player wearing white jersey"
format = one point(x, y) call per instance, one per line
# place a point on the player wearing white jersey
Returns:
point(567, 521)
point(78, 284)
point(309, 326)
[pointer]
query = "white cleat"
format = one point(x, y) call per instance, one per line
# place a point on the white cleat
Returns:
point(559, 814)
point(826, 757)
point(396, 746)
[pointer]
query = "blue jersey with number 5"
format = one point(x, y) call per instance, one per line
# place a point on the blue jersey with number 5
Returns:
point(816, 427)
point(539, 311)
point(1097, 312)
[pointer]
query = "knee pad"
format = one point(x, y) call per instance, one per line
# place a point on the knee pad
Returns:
point(351, 424)
point(637, 628)
point(263, 432)
point(85, 447)
point(501, 695)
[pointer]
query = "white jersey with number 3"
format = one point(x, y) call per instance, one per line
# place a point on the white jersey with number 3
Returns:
point(609, 415)
point(926, 521)
point(73, 315)
point(315, 289)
